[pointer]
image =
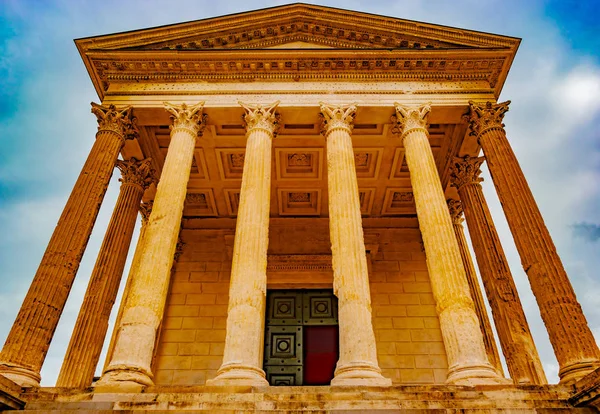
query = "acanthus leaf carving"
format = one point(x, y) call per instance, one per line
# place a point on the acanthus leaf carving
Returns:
point(187, 117)
point(456, 211)
point(465, 170)
point(118, 120)
point(483, 117)
point(137, 172)
point(409, 118)
point(261, 117)
point(146, 210)
point(336, 117)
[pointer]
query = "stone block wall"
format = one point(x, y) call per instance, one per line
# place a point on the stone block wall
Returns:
point(190, 347)
point(409, 343)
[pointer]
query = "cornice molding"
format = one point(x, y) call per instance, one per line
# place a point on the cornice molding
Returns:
point(306, 18)
point(285, 67)
point(365, 47)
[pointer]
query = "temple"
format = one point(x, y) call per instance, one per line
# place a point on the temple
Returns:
point(303, 176)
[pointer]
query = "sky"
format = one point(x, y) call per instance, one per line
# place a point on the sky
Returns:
point(47, 130)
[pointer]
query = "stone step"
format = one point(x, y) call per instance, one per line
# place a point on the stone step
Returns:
point(405, 399)
point(339, 406)
point(336, 411)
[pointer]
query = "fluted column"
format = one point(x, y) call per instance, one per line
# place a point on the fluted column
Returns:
point(570, 335)
point(456, 212)
point(29, 339)
point(145, 210)
point(136, 335)
point(242, 357)
point(465, 349)
point(521, 355)
point(87, 340)
point(357, 364)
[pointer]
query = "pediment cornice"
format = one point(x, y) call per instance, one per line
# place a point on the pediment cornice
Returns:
point(348, 45)
point(254, 28)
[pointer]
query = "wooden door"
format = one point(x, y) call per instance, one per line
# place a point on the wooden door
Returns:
point(301, 337)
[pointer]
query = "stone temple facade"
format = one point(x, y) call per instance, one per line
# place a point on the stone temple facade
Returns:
point(302, 174)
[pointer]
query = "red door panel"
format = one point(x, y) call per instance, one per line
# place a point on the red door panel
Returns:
point(320, 354)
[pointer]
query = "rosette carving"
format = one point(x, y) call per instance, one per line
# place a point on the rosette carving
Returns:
point(187, 117)
point(261, 117)
point(408, 118)
point(336, 117)
point(465, 170)
point(137, 172)
point(483, 117)
point(120, 121)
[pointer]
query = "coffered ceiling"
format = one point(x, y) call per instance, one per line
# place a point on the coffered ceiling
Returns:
point(299, 168)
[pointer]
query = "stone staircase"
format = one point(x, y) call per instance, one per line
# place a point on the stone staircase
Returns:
point(404, 399)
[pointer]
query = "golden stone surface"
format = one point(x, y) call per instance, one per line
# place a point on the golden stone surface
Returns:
point(277, 197)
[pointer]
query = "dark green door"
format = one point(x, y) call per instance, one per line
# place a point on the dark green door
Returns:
point(295, 319)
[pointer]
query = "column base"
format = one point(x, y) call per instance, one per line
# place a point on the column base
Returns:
point(360, 373)
point(577, 370)
point(475, 375)
point(123, 379)
point(25, 377)
point(239, 374)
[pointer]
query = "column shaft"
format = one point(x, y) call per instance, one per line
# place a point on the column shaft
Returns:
point(570, 335)
point(29, 339)
point(136, 336)
point(145, 210)
point(89, 332)
point(491, 349)
point(357, 364)
point(467, 358)
point(242, 358)
point(521, 355)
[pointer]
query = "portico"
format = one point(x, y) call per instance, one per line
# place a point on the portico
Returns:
point(319, 154)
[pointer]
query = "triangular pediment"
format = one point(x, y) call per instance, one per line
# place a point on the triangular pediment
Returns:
point(328, 43)
point(298, 26)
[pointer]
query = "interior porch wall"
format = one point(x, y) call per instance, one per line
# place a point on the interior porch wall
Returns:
point(409, 343)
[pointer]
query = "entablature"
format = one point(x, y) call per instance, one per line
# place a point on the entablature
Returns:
point(278, 65)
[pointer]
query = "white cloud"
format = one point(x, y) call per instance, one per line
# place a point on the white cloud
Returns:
point(579, 94)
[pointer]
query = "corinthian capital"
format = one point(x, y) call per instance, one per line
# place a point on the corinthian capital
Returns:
point(465, 170)
point(145, 210)
point(336, 117)
point(408, 118)
point(261, 117)
point(187, 117)
point(120, 121)
point(136, 172)
point(483, 117)
point(456, 211)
